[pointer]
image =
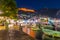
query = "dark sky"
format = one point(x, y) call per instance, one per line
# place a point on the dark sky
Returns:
point(37, 4)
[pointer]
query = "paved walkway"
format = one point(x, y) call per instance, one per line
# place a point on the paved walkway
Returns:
point(15, 35)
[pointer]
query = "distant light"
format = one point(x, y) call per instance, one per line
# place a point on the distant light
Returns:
point(1, 12)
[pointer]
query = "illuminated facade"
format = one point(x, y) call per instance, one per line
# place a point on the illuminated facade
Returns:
point(26, 10)
point(25, 13)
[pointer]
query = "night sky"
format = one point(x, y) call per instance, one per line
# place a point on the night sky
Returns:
point(37, 4)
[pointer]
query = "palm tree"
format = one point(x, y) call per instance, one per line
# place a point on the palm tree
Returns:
point(8, 7)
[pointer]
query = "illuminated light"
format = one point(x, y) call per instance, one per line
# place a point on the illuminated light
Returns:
point(7, 11)
point(26, 10)
point(1, 12)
